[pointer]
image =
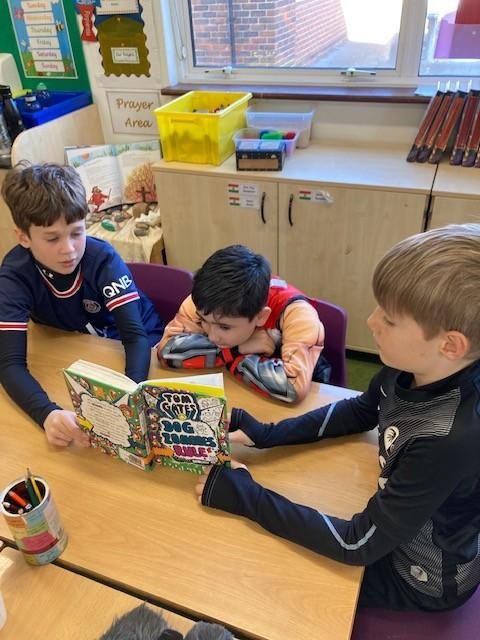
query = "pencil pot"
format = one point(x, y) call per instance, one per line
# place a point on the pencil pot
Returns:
point(35, 525)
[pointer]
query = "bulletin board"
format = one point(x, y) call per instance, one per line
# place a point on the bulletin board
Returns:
point(44, 38)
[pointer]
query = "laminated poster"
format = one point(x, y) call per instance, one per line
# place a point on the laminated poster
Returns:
point(42, 38)
point(121, 38)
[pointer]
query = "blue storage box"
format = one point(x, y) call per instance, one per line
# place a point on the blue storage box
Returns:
point(61, 103)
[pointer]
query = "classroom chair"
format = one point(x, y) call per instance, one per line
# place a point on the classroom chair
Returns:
point(459, 624)
point(334, 319)
point(167, 287)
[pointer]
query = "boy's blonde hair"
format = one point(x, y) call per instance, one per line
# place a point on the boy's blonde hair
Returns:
point(434, 277)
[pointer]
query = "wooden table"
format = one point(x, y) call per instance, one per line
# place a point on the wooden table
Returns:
point(147, 533)
point(51, 602)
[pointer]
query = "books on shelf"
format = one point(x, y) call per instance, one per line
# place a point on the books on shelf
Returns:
point(425, 125)
point(450, 126)
point(466, 123)
point(173, 422)
point(116, 174)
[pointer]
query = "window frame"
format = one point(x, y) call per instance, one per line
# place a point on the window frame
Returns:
point(175, 16)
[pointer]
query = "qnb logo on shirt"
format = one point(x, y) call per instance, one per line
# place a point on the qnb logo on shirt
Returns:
point(115, 287)
point(91, 306)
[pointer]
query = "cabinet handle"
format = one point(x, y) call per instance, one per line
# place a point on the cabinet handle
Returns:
point(290, 202)
point(262, 208)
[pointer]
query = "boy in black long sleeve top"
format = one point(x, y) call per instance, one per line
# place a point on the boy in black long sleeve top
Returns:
point(419, 535)
point(58, 276)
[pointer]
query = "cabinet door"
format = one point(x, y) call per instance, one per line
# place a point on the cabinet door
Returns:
point(329, 244)
point(447, 210)
point(202, 213)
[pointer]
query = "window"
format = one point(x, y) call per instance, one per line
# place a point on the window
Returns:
point(315, 41)
point(451, 43)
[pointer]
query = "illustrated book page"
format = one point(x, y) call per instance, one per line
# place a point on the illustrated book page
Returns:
point(116, 174)
point(179, 423)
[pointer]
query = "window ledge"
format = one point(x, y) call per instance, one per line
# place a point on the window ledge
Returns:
point(400, 95)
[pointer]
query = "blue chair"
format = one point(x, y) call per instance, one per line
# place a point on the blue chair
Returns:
point(334, 319)
point(166, 286)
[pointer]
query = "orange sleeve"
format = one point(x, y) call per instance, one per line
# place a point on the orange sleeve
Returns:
point(303, 338)
point(186, 320)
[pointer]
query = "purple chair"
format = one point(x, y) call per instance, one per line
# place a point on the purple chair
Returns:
point(459, 624)
point(334, 319)
point(167, 287)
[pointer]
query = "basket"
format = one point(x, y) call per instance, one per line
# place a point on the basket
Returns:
point(198, 127)
point(61, 103)
point(259, 116)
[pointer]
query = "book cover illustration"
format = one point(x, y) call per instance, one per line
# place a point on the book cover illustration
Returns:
point(113, 418)
point(179, 423)
point(116, 174)
point(186, 428)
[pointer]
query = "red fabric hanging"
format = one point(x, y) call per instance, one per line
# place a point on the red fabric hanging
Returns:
point(468, 12)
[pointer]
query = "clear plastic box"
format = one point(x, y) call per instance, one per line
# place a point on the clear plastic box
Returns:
point(253, 133)
point(278, 116)
point(198, 127)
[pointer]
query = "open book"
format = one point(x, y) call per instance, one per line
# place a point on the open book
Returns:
point(178, 422)
point(116, 174)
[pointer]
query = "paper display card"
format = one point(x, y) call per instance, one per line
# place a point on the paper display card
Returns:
point(174, 422)
point(116, 174)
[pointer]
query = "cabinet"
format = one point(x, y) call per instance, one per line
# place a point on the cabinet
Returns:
point(456, 196)
point(329, 248)
point(323, 222)
point(199, 215)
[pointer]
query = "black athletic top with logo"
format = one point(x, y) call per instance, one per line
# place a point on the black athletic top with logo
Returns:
point(100, 298)
point(423, 520)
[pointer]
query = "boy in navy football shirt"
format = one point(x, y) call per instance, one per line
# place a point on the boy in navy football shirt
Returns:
point(58, 276)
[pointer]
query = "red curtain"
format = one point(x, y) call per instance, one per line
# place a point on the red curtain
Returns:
point(468, 12)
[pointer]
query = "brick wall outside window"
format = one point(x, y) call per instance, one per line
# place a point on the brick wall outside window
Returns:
point(268, 33)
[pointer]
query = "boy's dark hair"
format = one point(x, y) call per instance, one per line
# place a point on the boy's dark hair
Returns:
point(41, 194)
point(144, 623)
point(233, 281)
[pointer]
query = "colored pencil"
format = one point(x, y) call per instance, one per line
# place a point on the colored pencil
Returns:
point(19, 500)
point(34, 485)
point(31, 493)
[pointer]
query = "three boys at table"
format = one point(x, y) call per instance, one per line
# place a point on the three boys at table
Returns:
point(419, 535)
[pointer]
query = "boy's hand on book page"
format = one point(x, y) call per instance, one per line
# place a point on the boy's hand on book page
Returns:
point(200, 486)
point(61, 429)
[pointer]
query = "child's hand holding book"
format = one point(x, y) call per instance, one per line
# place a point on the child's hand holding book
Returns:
point(61, 429)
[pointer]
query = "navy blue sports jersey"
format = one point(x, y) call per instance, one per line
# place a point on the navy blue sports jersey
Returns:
point(103, 284)
point(100, 297)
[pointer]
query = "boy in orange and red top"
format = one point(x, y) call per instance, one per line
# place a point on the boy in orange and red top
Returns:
point(261, 329)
